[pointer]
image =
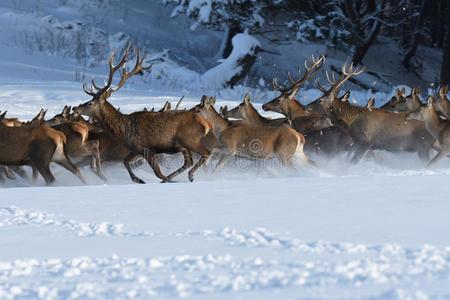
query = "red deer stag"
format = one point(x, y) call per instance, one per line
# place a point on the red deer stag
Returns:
point(372, 129)
point(147, 133)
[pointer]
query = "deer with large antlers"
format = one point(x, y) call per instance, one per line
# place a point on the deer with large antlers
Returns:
point(321, 137)
point(147, 133)
point(372, 128)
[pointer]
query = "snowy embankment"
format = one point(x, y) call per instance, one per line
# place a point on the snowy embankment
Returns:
point(366, 231)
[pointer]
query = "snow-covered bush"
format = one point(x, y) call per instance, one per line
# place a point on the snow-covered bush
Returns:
point(219, 13)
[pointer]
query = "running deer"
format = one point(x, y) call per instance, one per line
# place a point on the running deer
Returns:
point(302, 120)
point(375, 129)
point(250, 115)
point(442, 104)
point(147, 133)
point(404, 104)
point(252, 141)
point(321, 137)
point(78, 146)
point(437, 127)
point(36, 145)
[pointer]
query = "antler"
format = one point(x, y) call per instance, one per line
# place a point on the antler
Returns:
point(316, 63)
point(346, 73)
point(95, 91)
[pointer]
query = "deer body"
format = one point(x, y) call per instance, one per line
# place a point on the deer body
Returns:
point(379, 129)
point(437, 127)
point(253, 141)
point(38, 145)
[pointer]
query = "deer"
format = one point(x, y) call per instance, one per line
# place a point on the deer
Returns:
point(400, 103)
point(109, 148)
point(36, 145)
point(252, 141)
point(321, 137)
point(77, 145)
point(10, 122)
point(147, 133)
point(441, 102)
point(372, 129)
point(250, 115)
point(301, 119)
point(436, 126)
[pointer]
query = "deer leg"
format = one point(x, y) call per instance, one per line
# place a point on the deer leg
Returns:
point(35, 173)
point(204, 158)
point(187, 163)
point(130, 157)
point(19, 171)
point(9, 174)
point(424, 153)
point(224, 158)
point(360, 151)
point(151, 159)
point(92, 147)
point(437, 157)
point(41, 165)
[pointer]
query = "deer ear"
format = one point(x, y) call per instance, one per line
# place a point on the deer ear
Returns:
point(153, 109)
point(442, 91)
point(212, 100)
point(430, 101)
point(203, 100)
point(403, 91)
point(345, 97)
point(2, 116)
point(247, 98)
point(145, 109)
point(371, 102)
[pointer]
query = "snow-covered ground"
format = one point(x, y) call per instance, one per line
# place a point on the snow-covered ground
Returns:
point(375, 230)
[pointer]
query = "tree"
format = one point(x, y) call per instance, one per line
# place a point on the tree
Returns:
point(366, 19)
point(445, 67)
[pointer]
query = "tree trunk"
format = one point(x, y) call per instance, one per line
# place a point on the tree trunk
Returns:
point(445, 68)
point(233, 29)
point(361, 50)
point(411, 52)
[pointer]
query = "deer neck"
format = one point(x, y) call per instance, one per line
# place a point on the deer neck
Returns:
point(434, 124)
point(114, 121)
point(253, 117)
point(296, 110)
point(344, 112)
point(218, 122)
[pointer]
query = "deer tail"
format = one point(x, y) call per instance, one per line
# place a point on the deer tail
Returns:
point(81, 129)
point(300, 152)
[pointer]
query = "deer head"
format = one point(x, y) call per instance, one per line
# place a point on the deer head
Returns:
point(425, 112)
point(241, 111)
point(60, 118)
point(280, 104)
point(324, 103)
point(100, 95)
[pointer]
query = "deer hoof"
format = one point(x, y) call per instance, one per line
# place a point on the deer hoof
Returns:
point(138, 180)
point(191, 177)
